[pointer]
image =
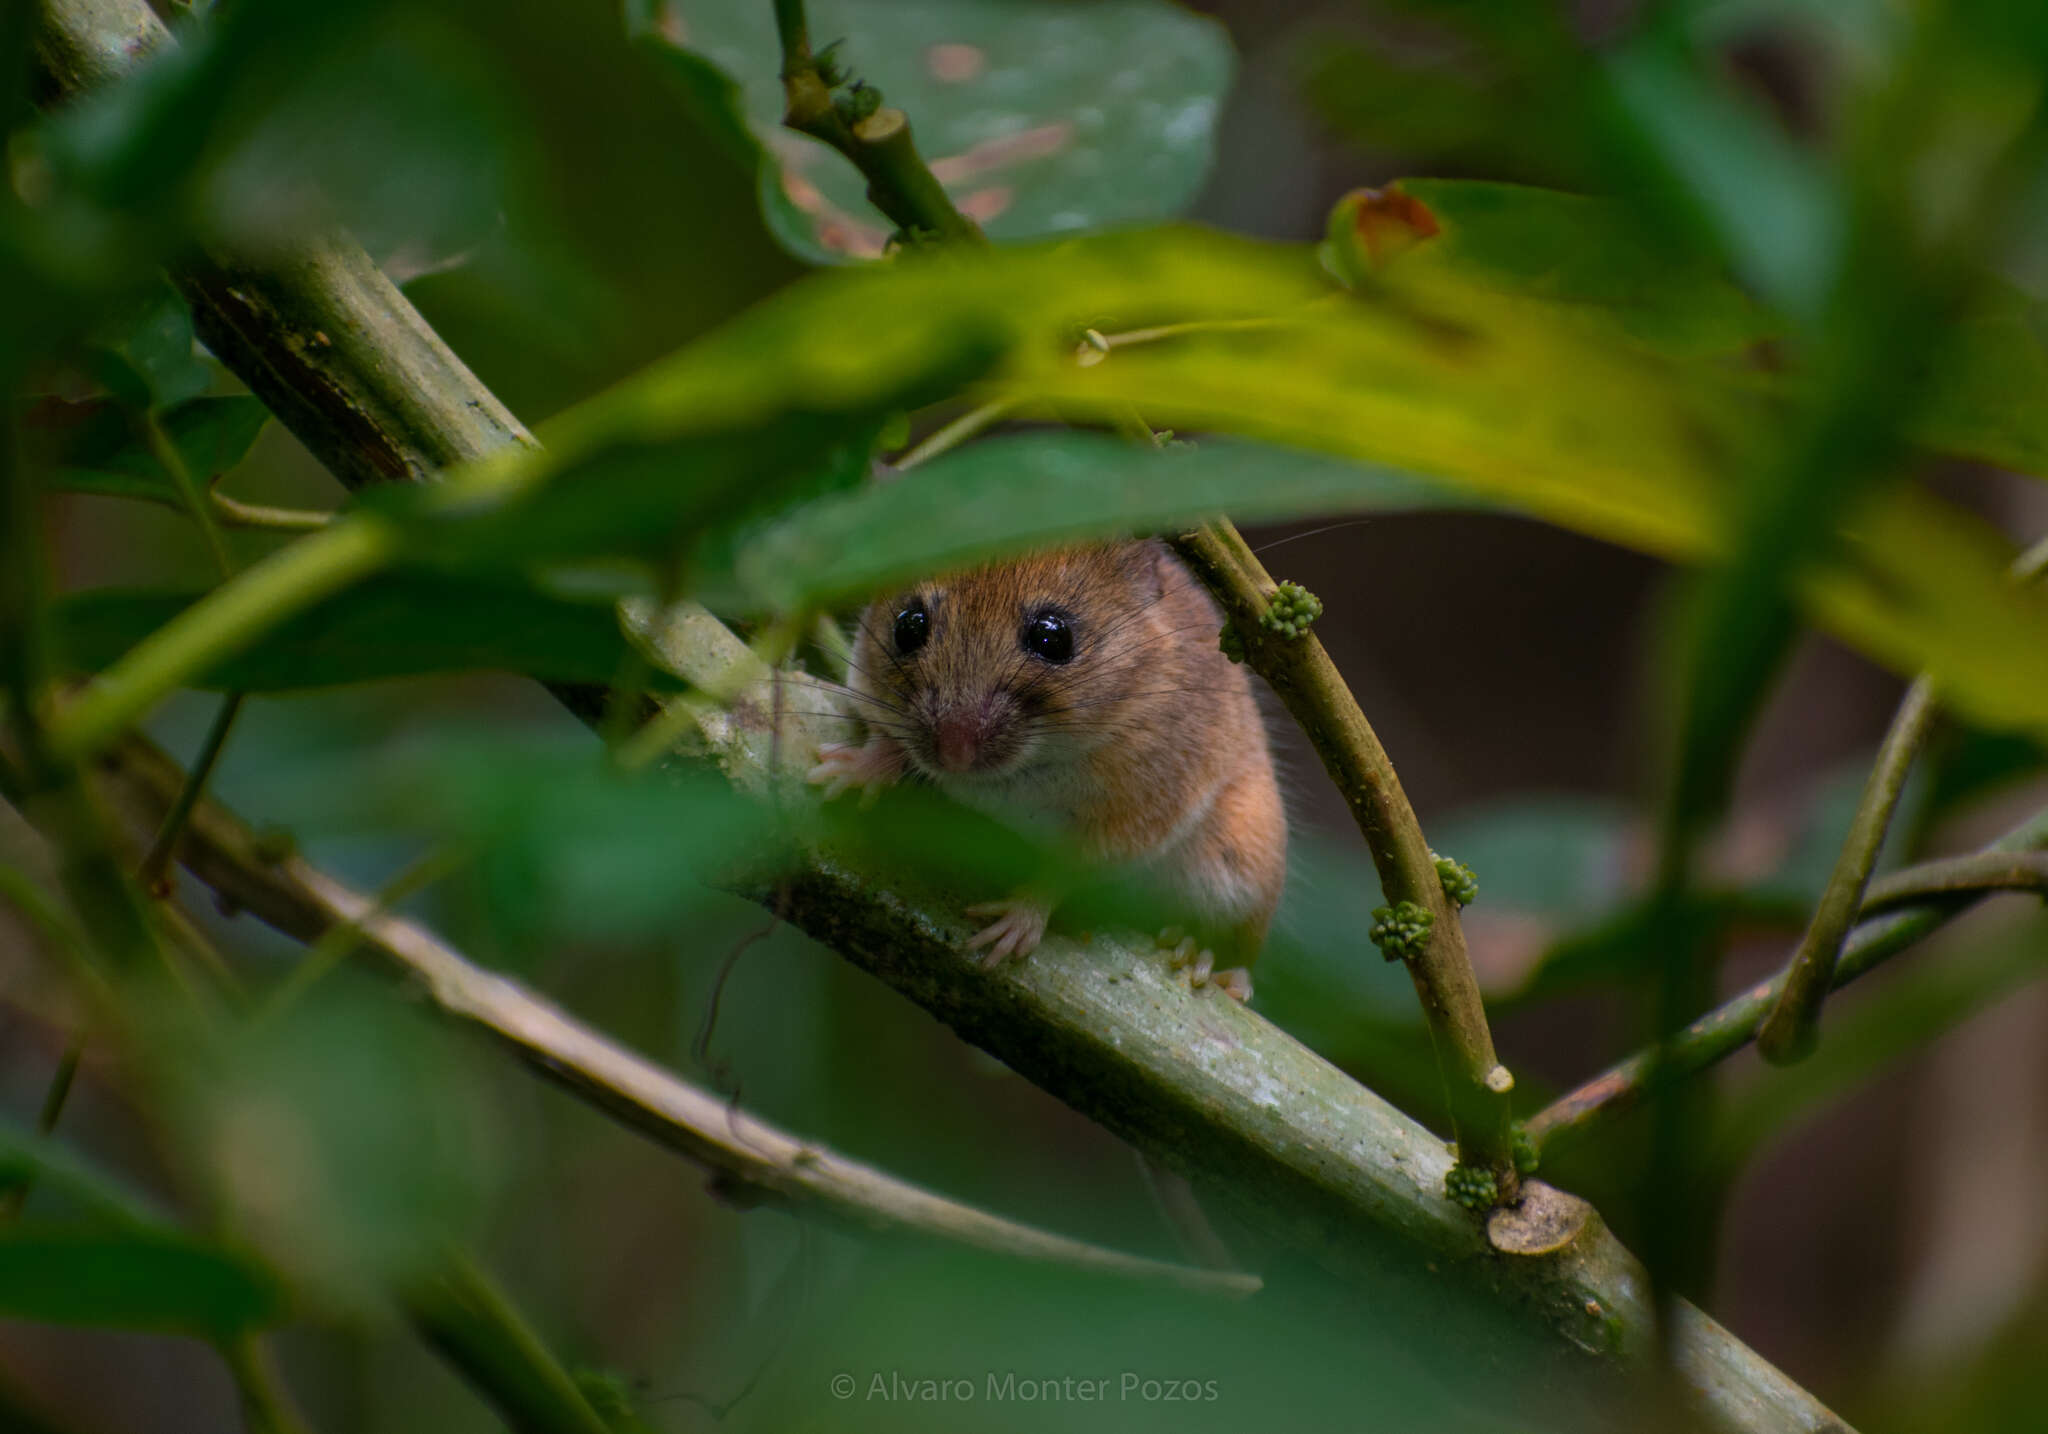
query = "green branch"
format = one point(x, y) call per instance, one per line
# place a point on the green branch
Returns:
point(1299, 669)
point(900, 183)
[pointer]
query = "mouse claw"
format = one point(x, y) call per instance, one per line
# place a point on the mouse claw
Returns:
point(1200, 965)
point(1018, 928)
point(869, 766)
point(1235, 983)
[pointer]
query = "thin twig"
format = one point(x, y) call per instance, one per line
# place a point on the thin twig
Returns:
point(335, 943)
point(305, 903)
point(155, 869)
point(1791, 1030)
point(234, 513)
point(267, 1405)
point(165, 451)
point(1979, 873)
point(966, 426)
point(473, 1326)
point(1315, 694)
point(17, 1194)
point(1897, 912)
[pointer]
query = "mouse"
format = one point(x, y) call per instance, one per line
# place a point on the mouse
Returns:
point(1081, 690)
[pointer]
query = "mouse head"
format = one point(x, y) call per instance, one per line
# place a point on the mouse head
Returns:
point(991, 674)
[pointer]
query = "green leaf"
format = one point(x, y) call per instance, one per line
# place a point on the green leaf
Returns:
point(396, 625)
point(156, 1280)
point(1041, 489)
point(211, 434)
point(1038, 118)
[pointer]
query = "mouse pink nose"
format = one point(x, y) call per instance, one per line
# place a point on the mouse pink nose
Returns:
point(960, 737)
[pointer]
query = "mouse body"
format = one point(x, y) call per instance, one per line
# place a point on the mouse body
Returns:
point(1081, 691)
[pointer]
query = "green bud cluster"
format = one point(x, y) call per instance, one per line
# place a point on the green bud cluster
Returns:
point(1401, 930)
point(1460, 885)
point(1230, 644)
point(856, 102)
point(1524, 1149)
point(1472, 1186)
point(1291, 610)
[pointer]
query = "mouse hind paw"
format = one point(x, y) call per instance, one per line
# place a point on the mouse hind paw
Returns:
point(1184, 954)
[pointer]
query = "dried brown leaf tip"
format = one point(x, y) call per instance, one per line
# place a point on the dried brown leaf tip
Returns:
point(1369, 228)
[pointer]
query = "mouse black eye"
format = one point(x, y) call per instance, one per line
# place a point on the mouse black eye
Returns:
point(1049, 636)
point(913, 626)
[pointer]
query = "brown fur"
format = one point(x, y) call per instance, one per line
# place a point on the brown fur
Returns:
point(1146, 746)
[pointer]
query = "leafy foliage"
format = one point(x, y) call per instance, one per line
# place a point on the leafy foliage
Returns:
point(1745, 345)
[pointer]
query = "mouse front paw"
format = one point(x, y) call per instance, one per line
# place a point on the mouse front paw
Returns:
point(1018, 928)
point(867, 766)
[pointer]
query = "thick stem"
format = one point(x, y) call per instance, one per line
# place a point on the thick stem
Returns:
point(1316, 695)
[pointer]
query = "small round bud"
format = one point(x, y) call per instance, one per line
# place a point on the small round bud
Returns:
point(1500, 1080)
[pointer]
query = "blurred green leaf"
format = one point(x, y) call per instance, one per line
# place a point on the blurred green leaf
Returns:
point(567, 846)
point(131, 1279)
point(344, 1136)
point(1590, 257)
point(1776, 211)
point(38, 1160)
point(109, 458)
point(396, 625)
point(156, 348)
point(1038, 118)
point(1039, 489)
point(1986, 394)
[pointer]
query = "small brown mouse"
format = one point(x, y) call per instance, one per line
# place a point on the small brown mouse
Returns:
point(1083, 689)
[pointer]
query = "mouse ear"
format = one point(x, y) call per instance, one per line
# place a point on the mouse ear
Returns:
point(1146, 564)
